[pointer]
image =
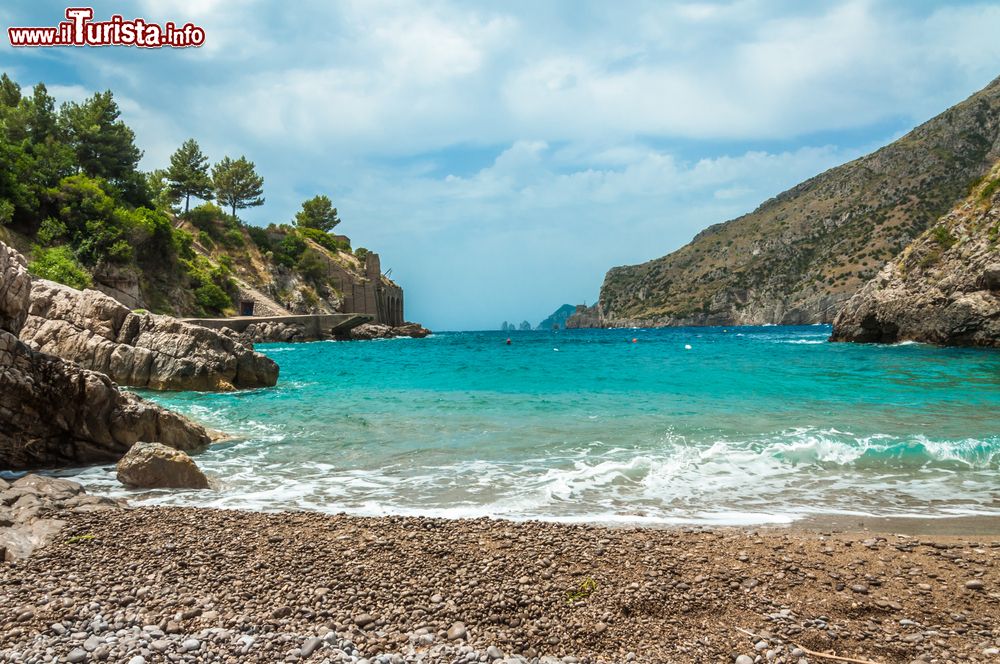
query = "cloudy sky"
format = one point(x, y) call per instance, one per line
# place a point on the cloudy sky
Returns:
point(501, 156)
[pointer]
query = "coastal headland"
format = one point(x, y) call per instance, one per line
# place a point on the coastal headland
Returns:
point(199, 585)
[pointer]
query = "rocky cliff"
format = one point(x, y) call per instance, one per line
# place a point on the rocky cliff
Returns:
point(944, 288)
point(139, 350)
point(557, 319)
point(280, 269)
point(799, 256)
point(55, 413)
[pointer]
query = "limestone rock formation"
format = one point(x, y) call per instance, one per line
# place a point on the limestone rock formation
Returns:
point(584, 317)
point(53, 412)
point(156, 466)
point(31, 509)
point(802, 254)
point(943, 289)
point(268, 331)
point(15, 289)
point(139, 350)
point(370, 331)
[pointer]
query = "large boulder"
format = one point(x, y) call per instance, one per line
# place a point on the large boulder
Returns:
point(156, 466)
point(139, 350)
point(55, 413)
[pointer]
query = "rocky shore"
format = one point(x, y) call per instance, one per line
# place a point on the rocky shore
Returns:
point(56, 413)
point(943, 289)
point(197, 585)
point(139, 349)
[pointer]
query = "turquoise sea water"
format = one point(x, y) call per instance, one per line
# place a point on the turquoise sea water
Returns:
point(736, 425)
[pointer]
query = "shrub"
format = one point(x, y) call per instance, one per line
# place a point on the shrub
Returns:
point(205, 217)
point(986, 195)
point(93, 223)
point(323, 239)
point(182, 242)
point(943, 237)
point(287, 251)
point(150, 232)
point(6, 212)
point(60, 265)
point(51, 231)
point(205, 240)
point(233, 238)
point(212, 298)
point(312, 266)
point(259, 237)
point(361, 253)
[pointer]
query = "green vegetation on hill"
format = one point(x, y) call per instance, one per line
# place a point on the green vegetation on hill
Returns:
point(72, 195)
point(801, 254)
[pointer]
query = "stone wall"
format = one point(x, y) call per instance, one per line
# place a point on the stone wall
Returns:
point(375, 295)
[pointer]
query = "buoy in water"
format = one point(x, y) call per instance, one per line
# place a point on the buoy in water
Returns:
point(635, 341)
point(687, 346)
point(508, 341)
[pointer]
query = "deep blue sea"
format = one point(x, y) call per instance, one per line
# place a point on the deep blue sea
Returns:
point(704, 425)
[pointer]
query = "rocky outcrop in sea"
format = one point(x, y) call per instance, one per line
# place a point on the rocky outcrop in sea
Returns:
point(139, 349)
point(56, 413)
point(943, 289)
point(370, 331)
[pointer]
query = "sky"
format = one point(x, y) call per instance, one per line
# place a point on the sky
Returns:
point(502, 156)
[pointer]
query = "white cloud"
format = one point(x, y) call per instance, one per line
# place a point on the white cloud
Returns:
point(596, 119)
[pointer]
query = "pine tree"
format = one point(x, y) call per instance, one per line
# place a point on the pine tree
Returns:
point(104, 145)
point(317, 212)
point(188, 173)
point(237, 184)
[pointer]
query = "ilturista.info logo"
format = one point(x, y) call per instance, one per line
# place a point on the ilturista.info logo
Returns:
point(80, 29)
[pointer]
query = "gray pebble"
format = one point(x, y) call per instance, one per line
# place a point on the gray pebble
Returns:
point(457, 631)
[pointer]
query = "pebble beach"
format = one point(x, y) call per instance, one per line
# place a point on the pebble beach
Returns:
point(173, 584)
